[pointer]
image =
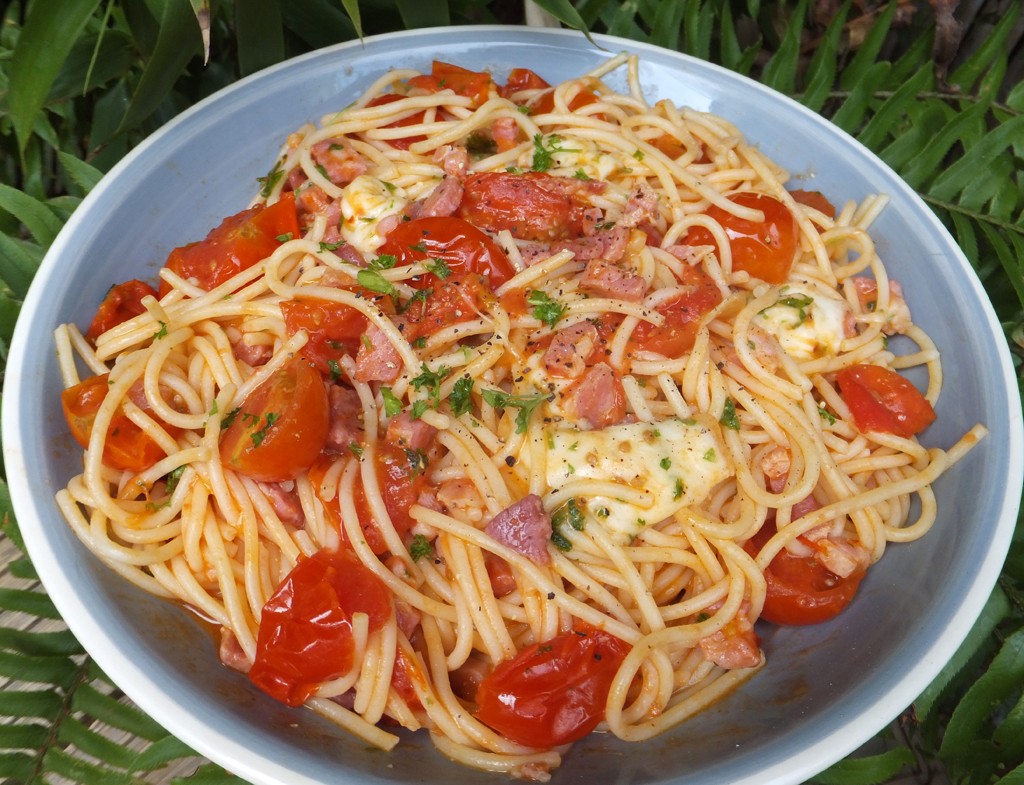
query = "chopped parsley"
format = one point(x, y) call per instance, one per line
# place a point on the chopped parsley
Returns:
point(417, 461)
point(375, 282)
point(544, 308)
point(799, 302)
point(826, 415)
point(710, 456)
point(439, 268)
point(385, 261)
point(331, 246)
point(543, 149)
point(431, 382)
point(172, 479)
point(162, 332)
point(214, 408)
point(638, 154)
point(420, 342)
point(323, 171)
point(392, 405)
point(525, 403)
point(729, 418)
point(420, 548)
point(258, 436)
point(678, 490)
point(230, 417)
point(461, 399)
point(269, 183)
point(571, 514)
point(357, 449)
point(335, 370)
point(579, 174)
point(283, 238)
point(665, 463)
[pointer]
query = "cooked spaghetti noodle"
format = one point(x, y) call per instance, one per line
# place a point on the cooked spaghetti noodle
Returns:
point(594, 425)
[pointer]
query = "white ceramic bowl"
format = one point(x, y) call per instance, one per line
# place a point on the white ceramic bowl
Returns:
point(825, 690)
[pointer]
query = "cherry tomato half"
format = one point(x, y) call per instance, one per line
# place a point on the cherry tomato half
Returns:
point(334, 330)
point(764, 249)
point(800, 589)
point(237, 244)
point(682, 313)
point(532, 205)
point(882, 400)
point(554, 692)
point(122, 302)
point(305, 635)
point(458, 298)
point(522, 79)
point(815, 199)
point(402, 475)
point(475, 85)
point(127, 447)
point(463, 247)
point(280, 428)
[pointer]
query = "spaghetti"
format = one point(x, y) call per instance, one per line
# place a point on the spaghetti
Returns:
point(504, 413)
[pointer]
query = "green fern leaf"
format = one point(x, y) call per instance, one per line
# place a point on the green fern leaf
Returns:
point(259, 34)
point(665, 26)
point(858, 101)
point(780, 71)
point(16, 768)
point(111, 711)
point(24, 737)
point(93, 743)
point(733, 55)
point(30, 704)
point(929, 159)
point(162, 752)
point(822, 68)
point(951, 182)
point(60, 671)
point(65, 764)
point(994, 47)
point(698, 24)
point(44, 644)
point(866, 59)
point(867, 770)
point(34, 603)
point(209, 775)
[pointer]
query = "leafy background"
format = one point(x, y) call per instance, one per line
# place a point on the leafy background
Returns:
point(935, 88)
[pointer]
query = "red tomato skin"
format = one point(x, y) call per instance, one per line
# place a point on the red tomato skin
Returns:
point(305, 634)
point(127, 448)
point(334, 330)
point(475, 85)
point(121, 303)
point(815, 199)
point(237, 244)
point(463, 247)
point(461, 297)
point(799, 589)
point(554, 692)
point(528, 205)
point(522, 79)
point(402, 142)
point(682, 316)
point(882, 400)
point(279, 451)
point(766, 249)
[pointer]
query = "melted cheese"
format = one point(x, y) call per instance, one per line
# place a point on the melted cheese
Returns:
point(573, 157)
point(675, 463)
point(364, 202)
point(807, 322)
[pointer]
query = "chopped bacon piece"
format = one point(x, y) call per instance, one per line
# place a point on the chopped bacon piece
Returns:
point(734, 646)
point(348, 253)
point(897, 317)
point(454, 159)
point(465, 679)
point(341, 163)
point(377, 359)
point(841, 556)
point(231, 653)
point(641, 206)
point(461, 500)
point(804, 506)
point(443, 201)
point(775, 464)
point(407, 617)
point(607, 244)
point(252, 354)
point(285, 501)
point(524, 527)
point(505, 132)
point(598, 397)
point(566, 355)
point(409, 433)
point(346, 412)
point(610, 280)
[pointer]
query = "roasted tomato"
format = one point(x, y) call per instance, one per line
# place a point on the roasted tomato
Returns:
point(682, 312)
point(458, 298)
point(532, 205)
point(554, 692)
point(402, 477)
point(882, 400)
point(127, 447)
point(462, 247)
point(280, 428)
point(765, 249)
point(800, 589)
point(475, 85)
point(334, 330)
point(815, 199)
point(237, 244)
point(522, 79)
point(122, 302)
point(305, 635)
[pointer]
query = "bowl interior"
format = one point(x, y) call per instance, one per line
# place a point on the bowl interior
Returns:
point(825, 690)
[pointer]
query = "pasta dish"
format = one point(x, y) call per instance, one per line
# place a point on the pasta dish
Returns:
point(504, 412)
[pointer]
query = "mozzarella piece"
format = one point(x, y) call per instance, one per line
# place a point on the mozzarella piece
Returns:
point(674, 463)
point(807, 321)
point(570, 157)
point(364, 202)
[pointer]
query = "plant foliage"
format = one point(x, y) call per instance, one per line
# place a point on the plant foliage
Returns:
point(939, 97)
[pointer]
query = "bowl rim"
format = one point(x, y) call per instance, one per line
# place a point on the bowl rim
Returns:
point(253, 765)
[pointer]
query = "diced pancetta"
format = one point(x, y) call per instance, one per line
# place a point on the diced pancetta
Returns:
point(524, 527)
point(410, 433)
point(897, 316)
point(641, 205)
point(566, 355)
point(285, 501)
point(505, 132)
point(598, 397)
point(454, 159)
point(443, 201)
point(407, 617)
point(734, 646)
point(346, 412)
point(377, 359)
point(341, 162)
point(608, 244)
point(460, 499)
point(231, 652)
point(610, 280)
point(842, 557)
point(775, 464)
